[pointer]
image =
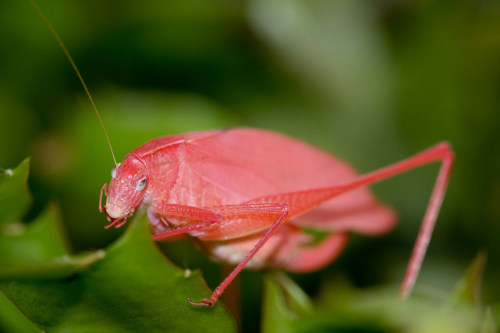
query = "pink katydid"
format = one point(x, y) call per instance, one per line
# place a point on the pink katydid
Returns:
point(250, 195)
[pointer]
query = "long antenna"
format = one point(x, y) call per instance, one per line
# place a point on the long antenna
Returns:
point(53, 31)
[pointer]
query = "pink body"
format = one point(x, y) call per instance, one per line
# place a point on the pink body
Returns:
point(227, 167)
point(255, 198)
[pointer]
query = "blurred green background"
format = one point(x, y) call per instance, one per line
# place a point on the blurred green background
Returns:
point(370, 81)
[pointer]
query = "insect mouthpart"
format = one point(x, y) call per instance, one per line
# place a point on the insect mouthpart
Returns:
point(113, 213)
point(117, 222)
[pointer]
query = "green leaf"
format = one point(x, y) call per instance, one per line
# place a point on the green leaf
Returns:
point(468, 288)
point(276, 317)
point(488, 323)
point(59, 267)
point(38, 241)
point(14, 194)
point(39, 250)
point(340, 307)
point(13, 320)
point(284, 303)
point(134, 288)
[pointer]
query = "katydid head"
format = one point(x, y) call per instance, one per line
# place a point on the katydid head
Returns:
point(126, 190)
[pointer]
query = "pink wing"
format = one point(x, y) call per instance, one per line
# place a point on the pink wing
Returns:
point(238, 165)
point(288, 248)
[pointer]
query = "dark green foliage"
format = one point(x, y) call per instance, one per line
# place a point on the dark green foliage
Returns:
point(130, 286)
point(341, 308)
point(14, 195)
point(370, 81)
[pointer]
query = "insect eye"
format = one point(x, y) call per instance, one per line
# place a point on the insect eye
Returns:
point(113, 171)
point(141, 184)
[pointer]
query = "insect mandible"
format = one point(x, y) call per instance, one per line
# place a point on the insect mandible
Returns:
point(250, 196)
